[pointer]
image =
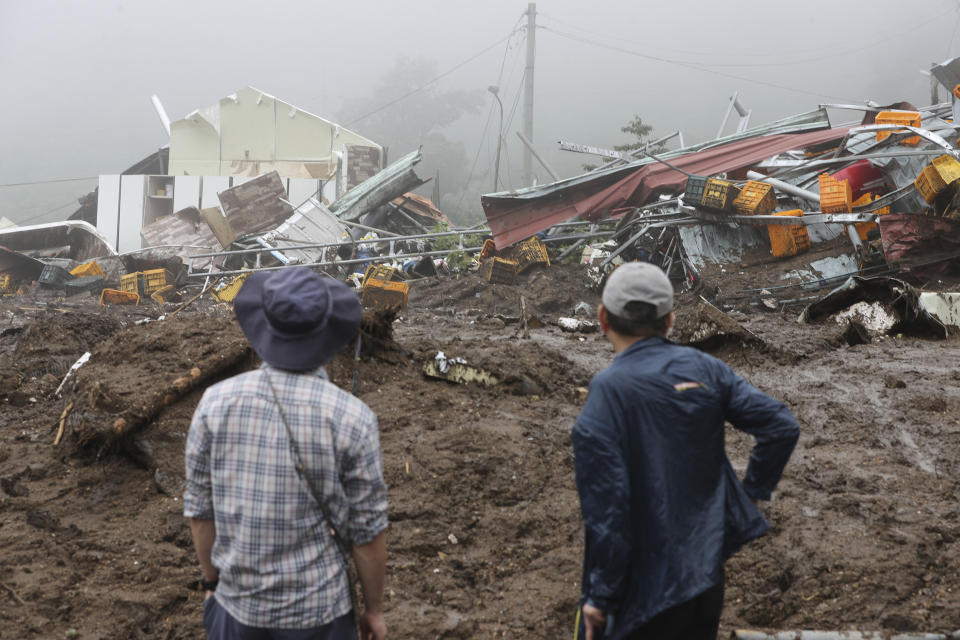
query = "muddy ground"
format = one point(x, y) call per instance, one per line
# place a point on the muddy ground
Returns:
point(866, 522)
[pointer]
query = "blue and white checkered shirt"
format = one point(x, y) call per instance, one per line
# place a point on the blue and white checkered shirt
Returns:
point(279, 566)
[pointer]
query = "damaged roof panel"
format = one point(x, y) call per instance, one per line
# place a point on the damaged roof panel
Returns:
point(256, 205)
point(513, 217)
point(395, 180)
point(311, 224)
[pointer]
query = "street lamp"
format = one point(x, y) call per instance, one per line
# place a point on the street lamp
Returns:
point(496, 171)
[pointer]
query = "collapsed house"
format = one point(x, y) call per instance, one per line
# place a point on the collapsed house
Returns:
point(244, 135)
point(875, 196)
point(254, 183)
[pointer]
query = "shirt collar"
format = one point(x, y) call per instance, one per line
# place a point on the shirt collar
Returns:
point(320, 372)
point(650, 341)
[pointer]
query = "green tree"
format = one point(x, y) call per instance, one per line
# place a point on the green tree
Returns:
point(642, 134)
point(406, 111)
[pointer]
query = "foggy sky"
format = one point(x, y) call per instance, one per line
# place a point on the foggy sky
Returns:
point(77, 76)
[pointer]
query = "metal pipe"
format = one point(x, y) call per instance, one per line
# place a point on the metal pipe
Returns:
point(330, 263)
point(786, 187)
point(570, 249)
point(529, 145)
point(636, 152)
point(661, 161)
point(322, 245)
point(815, 162)
point(384, 258)
point(366, 228)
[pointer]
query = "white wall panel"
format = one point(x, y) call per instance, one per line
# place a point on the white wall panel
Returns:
point(300, 189)
point(131, 212)
point(330, 191)
point(108, 208)
point(186, 192)
point(211, 186)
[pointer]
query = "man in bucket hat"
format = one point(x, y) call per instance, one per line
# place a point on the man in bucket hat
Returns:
point(662, 507)
point(283, 468)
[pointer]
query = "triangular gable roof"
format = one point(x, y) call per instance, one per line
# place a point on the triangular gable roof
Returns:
point(211, 113)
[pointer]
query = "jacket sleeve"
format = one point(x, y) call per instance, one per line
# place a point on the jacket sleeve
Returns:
point(604, 487)
point(770, 422)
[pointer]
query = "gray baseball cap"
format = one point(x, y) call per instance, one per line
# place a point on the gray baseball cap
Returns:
point(638, 282)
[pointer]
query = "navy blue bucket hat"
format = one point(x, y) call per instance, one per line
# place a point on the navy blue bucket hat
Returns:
point(295, 319)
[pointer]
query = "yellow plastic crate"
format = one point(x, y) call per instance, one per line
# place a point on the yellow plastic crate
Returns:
point(864, 228)
point(907, 118)
point(155, 279)
point(530, 252)
point(114, 296)
point(788, 240)
point(144, 283)
point(129, 283)
point(160, 295)
point(383, 294)
point(229, 290)
point(6, 284)
point(381, 272)
point(91, 268)
point(500, 270)
point(719, 194)
point(489, 249)
point(835, 195)
point(937, 176)
point(755, 199)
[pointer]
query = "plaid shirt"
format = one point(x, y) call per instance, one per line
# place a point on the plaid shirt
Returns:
point(279, 566)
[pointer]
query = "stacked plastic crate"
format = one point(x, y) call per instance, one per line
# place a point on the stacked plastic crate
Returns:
point(755, 199)
point(788, 240)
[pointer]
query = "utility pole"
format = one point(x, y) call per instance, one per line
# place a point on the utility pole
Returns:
point(496, 171)
point(528, 91)
point(934, 93)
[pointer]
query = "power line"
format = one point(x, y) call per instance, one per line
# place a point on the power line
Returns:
point(486, 126)
point(40, 216)
point(688, 65)
point(429, 82)
point(765, 54)
point(24, 184)
point(954, 34)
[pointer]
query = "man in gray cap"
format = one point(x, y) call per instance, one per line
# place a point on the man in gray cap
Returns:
point(662, 507)
point(284, 476)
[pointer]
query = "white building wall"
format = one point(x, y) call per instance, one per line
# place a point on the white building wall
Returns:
point(108, 207)
point(186, 192)
point(131, 213)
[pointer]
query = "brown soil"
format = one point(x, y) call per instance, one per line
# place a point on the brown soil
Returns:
point(866, 520)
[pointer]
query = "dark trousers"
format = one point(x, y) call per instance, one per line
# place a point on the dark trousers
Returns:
point(220, 625)
point(696, 619)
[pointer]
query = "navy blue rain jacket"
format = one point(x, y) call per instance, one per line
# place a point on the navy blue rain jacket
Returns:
point(662, 507)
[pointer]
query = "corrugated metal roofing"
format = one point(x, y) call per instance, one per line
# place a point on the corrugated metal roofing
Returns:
point(513, 217)
point(395, 180)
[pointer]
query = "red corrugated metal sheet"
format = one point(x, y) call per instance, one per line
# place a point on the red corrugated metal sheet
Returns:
point(922, 243)
point(516, 217)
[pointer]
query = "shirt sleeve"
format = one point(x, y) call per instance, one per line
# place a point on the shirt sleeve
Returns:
point(198, 495)
point(775, 429)
point(604, 487)
point(363, 485)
